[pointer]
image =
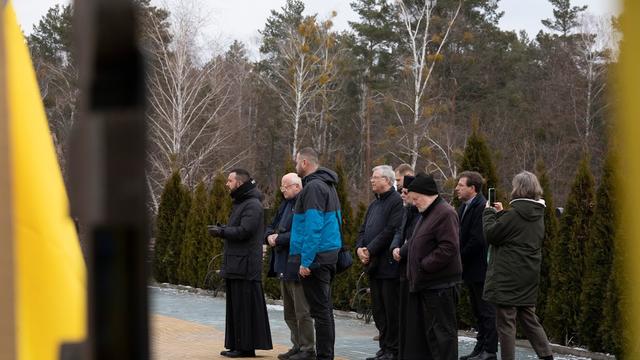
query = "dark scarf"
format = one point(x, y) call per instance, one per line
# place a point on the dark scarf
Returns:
point(241, 192)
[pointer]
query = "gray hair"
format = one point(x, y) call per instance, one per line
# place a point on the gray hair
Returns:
point(526, 185)
point(387, 172)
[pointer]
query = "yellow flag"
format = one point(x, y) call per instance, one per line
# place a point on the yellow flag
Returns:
point(49, 271)
point(629, 135)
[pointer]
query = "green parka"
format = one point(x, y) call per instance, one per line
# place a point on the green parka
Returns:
point(515, 239)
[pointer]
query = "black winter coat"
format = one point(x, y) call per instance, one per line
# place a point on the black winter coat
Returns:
point(410, 216)
point(434, 252)
point(243, 235)
point(473, 247)
point(279, 258)
point(383, 218)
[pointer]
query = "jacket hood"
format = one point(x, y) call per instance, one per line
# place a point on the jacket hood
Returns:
point(528, 209)
point(324, 174)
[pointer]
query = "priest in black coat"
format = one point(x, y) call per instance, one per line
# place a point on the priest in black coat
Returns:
point(247, 323)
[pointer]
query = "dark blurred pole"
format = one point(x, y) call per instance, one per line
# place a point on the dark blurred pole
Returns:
point(108, 190)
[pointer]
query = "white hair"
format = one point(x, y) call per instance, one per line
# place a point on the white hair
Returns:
point(387, 172)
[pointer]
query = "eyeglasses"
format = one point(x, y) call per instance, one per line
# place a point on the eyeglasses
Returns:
point(284, 188)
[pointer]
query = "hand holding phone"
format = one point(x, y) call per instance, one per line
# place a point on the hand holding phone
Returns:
point(492, 196)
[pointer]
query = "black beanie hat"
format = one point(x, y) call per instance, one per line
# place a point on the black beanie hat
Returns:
point(408, 179)
point(424, 184)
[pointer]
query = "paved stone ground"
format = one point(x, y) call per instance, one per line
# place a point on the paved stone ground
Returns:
point(198, 333)
point(173, 338)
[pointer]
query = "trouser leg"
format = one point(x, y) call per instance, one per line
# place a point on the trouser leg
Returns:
point(390, 289)
point(378, 310)
point(533, 331)
point(506, 327)
point(485, 314)
point(303, 317)
point(288, 303)
point(439, 311)
point(317, 290)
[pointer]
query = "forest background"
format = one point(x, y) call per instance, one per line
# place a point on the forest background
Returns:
point(436, 84)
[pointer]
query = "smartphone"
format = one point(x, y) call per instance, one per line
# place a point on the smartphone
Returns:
point(492, 196)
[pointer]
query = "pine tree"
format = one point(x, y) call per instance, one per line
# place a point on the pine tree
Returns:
point(172, 255)
point(219, 209)
point(566, 17)
point(197, 245)
point(477, 157)
point(169, 203)
point(567, 263)
point(598, 257)
point(343, 286)
point(612, 329)
point(550, 242)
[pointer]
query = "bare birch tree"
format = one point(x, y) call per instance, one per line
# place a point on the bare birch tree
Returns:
point(425, 47)
point(189, 101)
point(596, 49)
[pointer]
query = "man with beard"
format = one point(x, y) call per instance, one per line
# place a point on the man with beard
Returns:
point(247, 323)
point(315, 242)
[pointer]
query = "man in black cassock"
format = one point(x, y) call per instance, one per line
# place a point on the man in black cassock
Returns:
point(247, 323)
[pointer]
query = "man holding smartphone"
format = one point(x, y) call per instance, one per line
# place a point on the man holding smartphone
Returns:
point(473, 252)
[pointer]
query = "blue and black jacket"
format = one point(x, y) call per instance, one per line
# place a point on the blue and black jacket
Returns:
point(316, 230)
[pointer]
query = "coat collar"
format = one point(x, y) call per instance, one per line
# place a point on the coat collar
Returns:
point(386, 194)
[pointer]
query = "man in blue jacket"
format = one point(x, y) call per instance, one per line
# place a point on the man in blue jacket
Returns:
point(296, 307)
point(315, 242)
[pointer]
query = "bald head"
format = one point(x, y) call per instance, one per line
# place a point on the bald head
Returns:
point(290, 185)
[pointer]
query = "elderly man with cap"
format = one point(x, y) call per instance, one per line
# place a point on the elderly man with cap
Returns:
point(434, 270)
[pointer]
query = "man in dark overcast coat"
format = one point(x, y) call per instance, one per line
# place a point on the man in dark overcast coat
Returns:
point(247, 322)
point(381, 222)
point(473, 252)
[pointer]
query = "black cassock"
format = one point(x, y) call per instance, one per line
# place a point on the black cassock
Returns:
point(413, 345)
point(247, 323)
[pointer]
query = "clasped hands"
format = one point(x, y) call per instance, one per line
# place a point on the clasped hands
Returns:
point(363, 254)
point(271, 239)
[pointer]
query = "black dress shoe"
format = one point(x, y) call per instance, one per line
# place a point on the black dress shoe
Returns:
point(224, 352)
point(379, 354)
point(484, 355)
point(240, 354)
point(288, 354)
point(475, 352)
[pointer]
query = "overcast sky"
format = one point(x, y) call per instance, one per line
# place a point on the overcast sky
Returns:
point(241, 19)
